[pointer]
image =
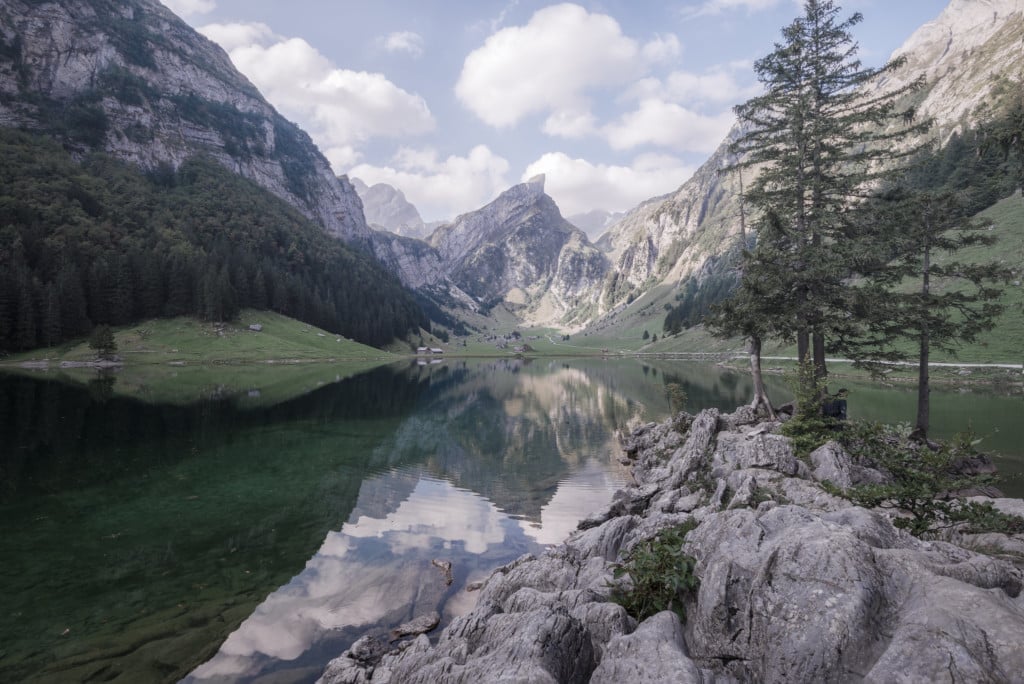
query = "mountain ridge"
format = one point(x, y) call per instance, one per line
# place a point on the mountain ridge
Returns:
point(967, 56)
point(134, 80)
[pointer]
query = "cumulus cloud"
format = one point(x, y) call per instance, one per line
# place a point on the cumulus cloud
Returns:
point(339, 108)
point(716, 87)
point(663, 48)
point(234, 36)
point(719, 6)
point(548, 65)
point(578, 185)
point(667, 124)
point(403, 41)
point(441, 188)
point(185, 8)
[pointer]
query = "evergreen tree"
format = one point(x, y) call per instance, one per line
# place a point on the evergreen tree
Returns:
point(819, 142)
point(73, 308)
point(102, 341)
point(51, 319)
point(25, 329)
point(947, 302)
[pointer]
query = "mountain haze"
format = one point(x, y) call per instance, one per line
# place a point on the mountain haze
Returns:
point(386, 207)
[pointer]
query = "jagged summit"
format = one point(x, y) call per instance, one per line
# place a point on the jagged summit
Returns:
point(519, 249)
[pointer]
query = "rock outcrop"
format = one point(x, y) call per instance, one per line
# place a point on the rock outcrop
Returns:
point(519, 249)
point(132, 79)
point(796, 585)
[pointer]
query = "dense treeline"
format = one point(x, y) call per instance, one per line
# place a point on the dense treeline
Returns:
point(700, 293)
point(102, 243)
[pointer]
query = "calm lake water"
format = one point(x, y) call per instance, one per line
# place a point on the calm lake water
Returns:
point(224, 540)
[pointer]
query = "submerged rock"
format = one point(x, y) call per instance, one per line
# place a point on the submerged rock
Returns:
point(796, 585)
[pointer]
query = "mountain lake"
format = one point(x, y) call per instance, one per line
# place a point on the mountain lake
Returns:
point(230, 539)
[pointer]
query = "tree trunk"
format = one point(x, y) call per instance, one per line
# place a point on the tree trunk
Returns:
point(820, 373)
point(803, 344)
point(760, 395)
point(923, 389)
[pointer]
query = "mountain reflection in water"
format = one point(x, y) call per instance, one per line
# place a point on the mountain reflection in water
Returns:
point(243, 537)
point(510, 461)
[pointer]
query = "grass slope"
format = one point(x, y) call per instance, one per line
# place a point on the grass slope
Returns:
point(181, 360)
point(1004, 344)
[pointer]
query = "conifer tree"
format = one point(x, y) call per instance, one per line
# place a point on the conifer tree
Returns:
point(51, 317)
point(102, 341)
point(819, 142)
point(943, 302)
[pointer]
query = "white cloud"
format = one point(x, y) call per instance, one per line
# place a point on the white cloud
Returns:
point(667, 124)
point(663, 48)
point(711, 7)
point(578, 185)
point(548, 65)
point(184, 8)
point(441, 189)
point(234, 36)
point(717, 87)
point(570, 124)
point(403, 41)
point(339, 108)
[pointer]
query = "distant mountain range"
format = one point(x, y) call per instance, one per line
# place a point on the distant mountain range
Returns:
point(129, 78)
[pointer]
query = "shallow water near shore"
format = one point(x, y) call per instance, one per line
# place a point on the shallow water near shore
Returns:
point(221, 541)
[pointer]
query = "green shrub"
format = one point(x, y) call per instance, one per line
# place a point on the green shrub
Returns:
point(662, 574)
point(808, 429)
point(924, 483)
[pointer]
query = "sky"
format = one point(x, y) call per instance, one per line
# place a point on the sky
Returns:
point(454, 101)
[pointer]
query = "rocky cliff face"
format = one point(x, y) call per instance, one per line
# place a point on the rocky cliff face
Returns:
point(130, 78)
point(967, 56)
point(518, 248)
point(386, 207)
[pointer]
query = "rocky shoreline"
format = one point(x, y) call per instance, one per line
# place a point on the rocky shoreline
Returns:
point(796, 584)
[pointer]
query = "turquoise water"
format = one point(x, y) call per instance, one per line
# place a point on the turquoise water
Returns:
point(220, 542)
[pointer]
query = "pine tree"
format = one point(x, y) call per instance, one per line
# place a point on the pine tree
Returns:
point(818, 141)
point(25, 328)
point(951, 302)
point(102, 341)
point(51, 317)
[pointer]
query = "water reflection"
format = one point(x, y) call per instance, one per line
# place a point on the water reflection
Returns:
point(136, 537)
point(511, 461)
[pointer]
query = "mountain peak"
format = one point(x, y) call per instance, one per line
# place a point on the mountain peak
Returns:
point(537, 182)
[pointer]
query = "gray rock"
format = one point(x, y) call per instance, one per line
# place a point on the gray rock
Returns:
point(416, 626)
point(655, 652)
point(831, 463)
point(544, 645)
point(736, 451)
point(804, 587)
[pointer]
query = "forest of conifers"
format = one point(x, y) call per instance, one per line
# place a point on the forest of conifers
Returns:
point(100, 242)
